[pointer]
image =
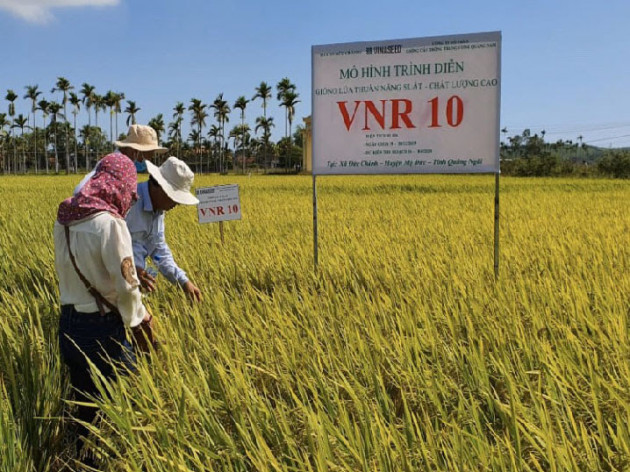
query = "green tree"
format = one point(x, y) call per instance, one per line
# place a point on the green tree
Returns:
point(240, 134)
point(44, 106)
point(3, 124)
point(265, 124)
point(110, 102)
point(75, 101)
point(157, 123)
point(99, 105)
point(240, 104)
point(32, 93)
point(616, 164)
point(21, 122)
point(11, 97)
point(283, 87)
point(88, 93)
point(215, 134)
point(131, 111)
point(298, 136)
point(63, 85)
point(54, 109)
point(199, 115)
point(195, 138)
point(94, 137)
point(174, 134)
point(179, 110)
point(263, 91)
point(289, 100)
point(221, 113)
point(118, 98)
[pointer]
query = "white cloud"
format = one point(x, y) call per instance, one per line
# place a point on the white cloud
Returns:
point(40, 11)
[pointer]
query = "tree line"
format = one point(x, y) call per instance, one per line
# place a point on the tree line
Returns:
point(529, 155)
point(47, 140)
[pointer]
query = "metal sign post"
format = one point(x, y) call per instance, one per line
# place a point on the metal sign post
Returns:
point(315, 219)
point(496, 226)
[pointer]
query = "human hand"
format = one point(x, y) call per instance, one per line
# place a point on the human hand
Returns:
point(147, 281)
point(192, 291)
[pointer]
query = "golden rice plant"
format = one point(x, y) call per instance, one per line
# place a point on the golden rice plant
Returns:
point(400, 353)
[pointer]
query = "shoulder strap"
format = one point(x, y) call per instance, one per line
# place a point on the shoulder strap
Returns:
point(100, 299)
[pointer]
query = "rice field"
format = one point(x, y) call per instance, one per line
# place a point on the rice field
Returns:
point(401, 353)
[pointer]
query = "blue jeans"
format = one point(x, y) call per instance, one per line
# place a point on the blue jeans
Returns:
point(103, 341)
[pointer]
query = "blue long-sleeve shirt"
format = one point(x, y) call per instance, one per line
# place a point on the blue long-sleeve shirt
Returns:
point(147, 234)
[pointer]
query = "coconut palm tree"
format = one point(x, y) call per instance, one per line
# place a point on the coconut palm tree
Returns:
point(54, 109)
point(199, 115)
point(110, 101)
point(43, 105)
point(157, 123)
point(195, 138)
point(240, 134)
point(4, 123)
point(11, 97)
point(221, 113)
point(21, 122)
point(131, 111)
point(283, 87)
point(118, 98)
point(99, 105)
point(263, 91)
point(75, 101)
point(289, 100)
point(88, 93)
point(246, 140)
point(32, 93)
point(215, 134)
point(179, 110)
point(265, 124)
point(175, 132)
point(63, 85)
point(241, 103)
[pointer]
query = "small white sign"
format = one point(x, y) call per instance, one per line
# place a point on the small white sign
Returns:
point(220, 203)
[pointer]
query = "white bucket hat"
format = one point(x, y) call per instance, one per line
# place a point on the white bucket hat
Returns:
point(175, 178)
point(141, 138)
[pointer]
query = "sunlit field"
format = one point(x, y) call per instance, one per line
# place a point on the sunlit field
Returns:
point(401, 353)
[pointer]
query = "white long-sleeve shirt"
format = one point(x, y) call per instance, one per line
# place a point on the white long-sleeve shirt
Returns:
point(102, 248)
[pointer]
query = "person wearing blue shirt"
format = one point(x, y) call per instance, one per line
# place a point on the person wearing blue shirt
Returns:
point(168, 186)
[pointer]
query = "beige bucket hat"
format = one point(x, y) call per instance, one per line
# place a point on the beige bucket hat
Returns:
point(175, 178)
point(141, 138)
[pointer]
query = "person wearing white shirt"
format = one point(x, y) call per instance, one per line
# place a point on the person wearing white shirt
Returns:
point(93, 249)
point(168, 186)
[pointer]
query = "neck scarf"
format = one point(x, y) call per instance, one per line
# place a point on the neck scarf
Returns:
point(112, 188)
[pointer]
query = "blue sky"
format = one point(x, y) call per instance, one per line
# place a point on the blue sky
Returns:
point(565, 64)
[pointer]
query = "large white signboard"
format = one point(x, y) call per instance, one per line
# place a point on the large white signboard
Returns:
point(425, 105)
point(220, 203)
